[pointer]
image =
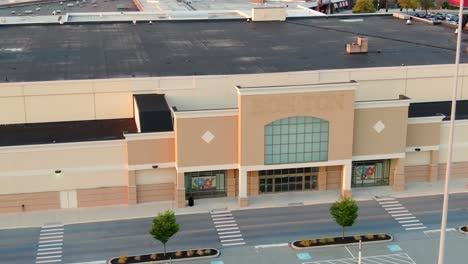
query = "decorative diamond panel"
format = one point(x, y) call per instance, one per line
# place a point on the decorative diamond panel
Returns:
point(379, 126)
point(208, 136)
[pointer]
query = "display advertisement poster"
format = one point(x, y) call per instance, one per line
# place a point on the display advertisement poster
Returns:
point(365, 172)
point(457, 3)
point(204, 183)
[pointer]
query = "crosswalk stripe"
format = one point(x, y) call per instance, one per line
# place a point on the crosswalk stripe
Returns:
point(238, 235)
point(234, 244)
point(397, 208)
point(51, 230)
point(397, 215)
point(51, 234)
point(51, 226)
point(46, 257)
point(220, 212)
point(50, 237)
point(51, 245)
point(397, 212)
point(48, 261)
point(48, 241)
point(391, 205)
point(47, 249)
point(49, 253)
point(418, 224)
point(231, 240)
point(385, 199)
point(228, 228)
point(416, 228)
point(403, 218)
point(389, 202)
point(226, 225)
point(408, 221)
point(229, 232)
point(223, 218)
point(220, 215)
point(224, 222)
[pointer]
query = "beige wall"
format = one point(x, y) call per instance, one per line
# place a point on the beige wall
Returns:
point(151, 151)
point(391, 140)
point(102, 196)
point(256, 111)
point(269, 14)
point(418, 158)
point(423, 135)
point(192, 150)
point(155, 192)
point(156, 176)
point(334, 179)
point(460, 145)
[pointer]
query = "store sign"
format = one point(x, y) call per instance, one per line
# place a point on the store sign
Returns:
point(204, 183)
point(365, 172)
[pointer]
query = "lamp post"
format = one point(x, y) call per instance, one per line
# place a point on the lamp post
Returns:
point(448, 171)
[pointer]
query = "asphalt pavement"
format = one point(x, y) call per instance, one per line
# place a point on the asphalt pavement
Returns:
point(103, 240)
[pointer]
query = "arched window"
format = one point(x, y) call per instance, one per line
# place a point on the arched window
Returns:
point(296, 139)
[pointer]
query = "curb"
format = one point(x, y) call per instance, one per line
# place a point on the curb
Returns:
point(342, 245)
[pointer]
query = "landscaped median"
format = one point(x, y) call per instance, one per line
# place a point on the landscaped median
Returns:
point(181, 255)
point(463, 229)
point(340, 241)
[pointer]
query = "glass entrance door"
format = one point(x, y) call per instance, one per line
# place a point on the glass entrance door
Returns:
point(288, 180)
point(203, 184)
point(370, 173)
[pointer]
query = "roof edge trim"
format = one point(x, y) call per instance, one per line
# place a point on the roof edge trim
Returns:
point(289, 89)
point(149, 135)
point(206, 113)
point(426, 119)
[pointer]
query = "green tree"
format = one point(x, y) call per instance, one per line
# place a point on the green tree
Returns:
point(164, 227)
point(345, 212)
point(408, 4)
point(364, 6)
point(426, 4)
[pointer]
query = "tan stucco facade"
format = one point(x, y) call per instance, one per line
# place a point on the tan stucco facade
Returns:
point(149, 168)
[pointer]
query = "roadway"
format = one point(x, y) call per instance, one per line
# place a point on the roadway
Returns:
point(103, 240)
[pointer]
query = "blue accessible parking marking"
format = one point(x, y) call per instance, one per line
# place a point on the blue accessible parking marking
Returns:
point(394, 248)
point(304, 256)
point(217, 262)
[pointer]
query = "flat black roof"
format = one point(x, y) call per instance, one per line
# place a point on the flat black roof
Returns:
point(63, 132)
point(437, 108)
point(99, 51)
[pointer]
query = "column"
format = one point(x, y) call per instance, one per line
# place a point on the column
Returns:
point(243, 198)
point(399, 175)
point(231, 183)
point(131, 191)
point(434, 166)
point(346, 179)
point(322, 179)
point(253, 183)
point(180, 190)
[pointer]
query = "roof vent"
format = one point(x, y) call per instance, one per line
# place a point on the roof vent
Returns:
point(361, 46)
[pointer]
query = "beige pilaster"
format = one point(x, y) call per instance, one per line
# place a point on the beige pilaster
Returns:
point(346, 175)
point(399, 180)
point(243, 198)
point(322, 179)
point(180, 190)
point(131, 191)
point(434, 166)
point(253, 183)
point(231, 183)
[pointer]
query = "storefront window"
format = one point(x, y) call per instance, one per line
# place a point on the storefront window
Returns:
point(295, 140)
point(205, 184)
point(370, 173)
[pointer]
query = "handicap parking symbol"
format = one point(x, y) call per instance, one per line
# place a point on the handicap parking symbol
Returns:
point(394, 248)
point(304, 256)
point(217, 262)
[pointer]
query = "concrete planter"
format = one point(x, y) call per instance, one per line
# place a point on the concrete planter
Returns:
point(389, 239)
point(463, 231)
point(130, 260)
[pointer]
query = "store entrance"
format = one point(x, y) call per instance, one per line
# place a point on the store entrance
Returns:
point(370, 173)
point(288, 180)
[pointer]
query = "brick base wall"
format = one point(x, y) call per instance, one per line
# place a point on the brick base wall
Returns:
point(155, 192)
point(102, 196)
point(12, 203)
point(417, 173)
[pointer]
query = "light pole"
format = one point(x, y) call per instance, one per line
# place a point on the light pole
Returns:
point(448, 171)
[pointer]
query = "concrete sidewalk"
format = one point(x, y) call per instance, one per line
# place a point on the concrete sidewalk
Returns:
point(107, 213)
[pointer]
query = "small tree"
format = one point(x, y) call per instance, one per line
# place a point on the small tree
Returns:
point(407, 4)
point(426, 4)
point(364, 6)
point(345, 212)
point(164, 227)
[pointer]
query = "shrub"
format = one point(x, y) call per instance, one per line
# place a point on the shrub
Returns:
point(357, 237)
point(200, 252)
point(323, 240)
point(208, 251)
point(137, 258)
point(382, 236)
point(189, 253)
point(153, 256)
point(370, 236)
point(313, 241)
point(330, 239)
point(178, 253)
point(122, 259)
point(305, 243)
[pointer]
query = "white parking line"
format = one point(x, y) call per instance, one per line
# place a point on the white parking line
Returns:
point(402, 258)
point(272, 245)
